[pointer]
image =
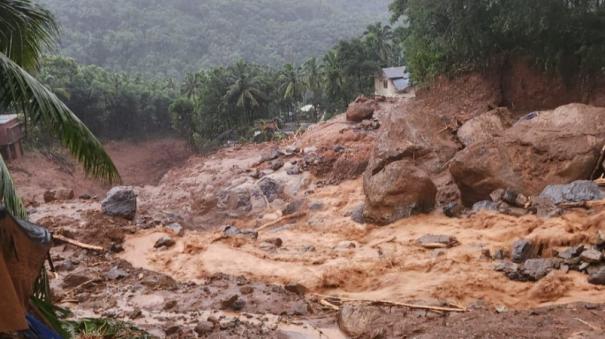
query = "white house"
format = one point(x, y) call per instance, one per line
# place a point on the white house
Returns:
point(392, 82)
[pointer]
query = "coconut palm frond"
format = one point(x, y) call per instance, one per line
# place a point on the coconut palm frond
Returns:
point(26, 29)
point(8, 193)
point(20, 89)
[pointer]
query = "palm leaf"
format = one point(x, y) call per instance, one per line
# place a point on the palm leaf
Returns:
point(8, 193)
point(26, 29)
point(18, 88)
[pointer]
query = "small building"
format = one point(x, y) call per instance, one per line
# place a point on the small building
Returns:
point(11, 133)
point(392, 82)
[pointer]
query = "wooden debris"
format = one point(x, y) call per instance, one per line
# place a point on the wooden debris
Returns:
point(280, 220)
point(392, 303)
point(77, 243)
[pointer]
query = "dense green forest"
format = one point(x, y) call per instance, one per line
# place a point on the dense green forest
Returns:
point(169, 38)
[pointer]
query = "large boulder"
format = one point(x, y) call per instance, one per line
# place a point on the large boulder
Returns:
point(361, 109)
point(577, 191)
point(485, 126)
point(397, 191)
point(550, 147)
point(121, 201)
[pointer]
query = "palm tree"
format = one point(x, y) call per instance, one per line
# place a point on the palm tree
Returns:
point(333, 75)
point(379, 38)
point(312, 79)
point(26, 29)
point(245, 91)
point(191, 85)
point(290, 87)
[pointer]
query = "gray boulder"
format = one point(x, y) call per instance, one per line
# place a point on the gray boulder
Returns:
point(522, 250)
point(121, 201)
point(577, 191)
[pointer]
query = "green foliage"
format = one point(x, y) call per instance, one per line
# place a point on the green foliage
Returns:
point(171, 38)
point(452, 36)
point(113, 105)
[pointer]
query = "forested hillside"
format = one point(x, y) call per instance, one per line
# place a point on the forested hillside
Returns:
point(170, 38)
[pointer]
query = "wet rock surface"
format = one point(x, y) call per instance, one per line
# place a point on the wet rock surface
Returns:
point(575, 192)
point(532, 154)
point(120, 201)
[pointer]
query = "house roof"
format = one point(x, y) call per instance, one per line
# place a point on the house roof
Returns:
point(5, 118)
point(401, 84)
point(395, 72)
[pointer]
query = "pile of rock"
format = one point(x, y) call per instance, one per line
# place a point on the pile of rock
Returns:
point(526, 265)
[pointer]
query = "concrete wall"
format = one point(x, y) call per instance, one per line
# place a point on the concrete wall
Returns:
point(379, 88)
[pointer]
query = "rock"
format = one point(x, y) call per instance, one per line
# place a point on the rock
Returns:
point(496, 196)
point(270, 188)
point(515, 199)
point(116, 273)
point(121, 201)
point(234, 232)
point(591, 256)
point(357, 214)
point(296, 288)
point(60, 194)
point(228, 322)
point(370, 124)
point(338, 149)
point(360, 109)
point(272, 155)
point(74, 279)
point(204, 327)
point(345, 245)
point(357, 320)
point(485, 126)
point(277, 242)
point(583, 266)
point(485, 205)
point(237, 201)
point(545, 208)
point(66, 265)
point(577, 191)
point(173, 330)
point(293, 207)
point(294, 170)
point(437, 241)
point(277, 164)
point(85, 197)
point(522, 250)
point(290, 150)
point(536, 269)
point(164, 242)
point(170, 304)
point(453, 210)
point(555, 147)
point(310, 150)
point(398, 190)
point(598, 277)
point(246, 290)
point(176, 229)
point(116, 248)
point(600, 241)
point(571, 252)
point(136, 313)
point(234, 303)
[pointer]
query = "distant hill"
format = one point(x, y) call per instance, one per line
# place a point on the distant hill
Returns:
point(170, 37)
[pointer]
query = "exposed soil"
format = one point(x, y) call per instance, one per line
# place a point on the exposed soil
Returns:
point(311, 245)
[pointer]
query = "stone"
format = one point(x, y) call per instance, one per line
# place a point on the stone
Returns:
point(116, 247)
point(514, 198)
point(293, 207)
point(203, 328)
point(277, 242)
point(485, 205)
point(270, 188)
point(598, 277)
point(545, 208)
point(436, 241)
point(360, 109)
point(536, 269)
point(571, 252)
point(277, 164)
point(246, 290)
point(176, 229)
point(357, 320)
point(591, 256)
point(165, 241)
point(554, 147)
point(292, 149)
point(170, 304)
point(60, 194)
point(234, 303)
point(357, 214)
point(577, 191)
point(85, 197)
point(496, 196)
point(453, 210)
point(338, 149)
point(522, 250)
point(115, 273)
point(310, 150)
point(74, 279)
point(345, 245)
point(173, 330)
point(66, 265)
point(294, 170)
point(296, 288)
point(121, 201)
point(399, 190)
point(228, 322)
point(485, 126)
point(234, 232)
point(272, 155)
